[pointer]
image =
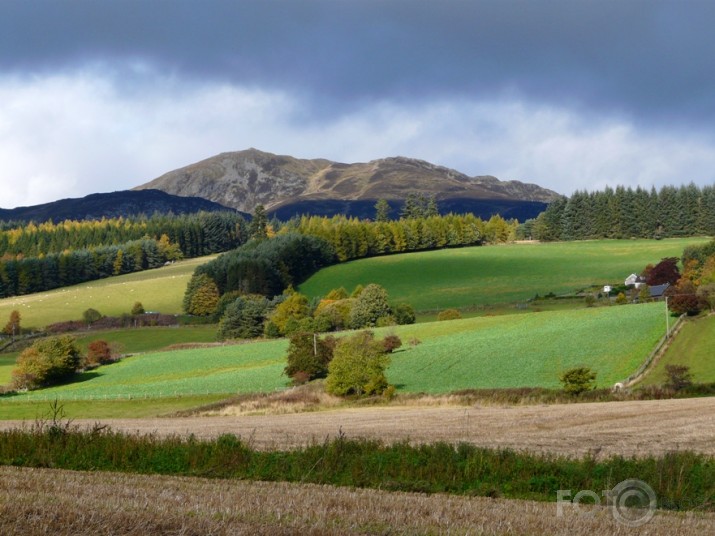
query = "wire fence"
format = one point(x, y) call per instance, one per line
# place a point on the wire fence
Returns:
point(660, 346)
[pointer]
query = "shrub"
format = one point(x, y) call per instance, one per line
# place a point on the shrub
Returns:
point(369, 306)
point(201, 297)
point(294, 306)
point(590, 300)
point(244, 318)
point(679, 377)
point(224, 301)
point(337, 313)
point(578, 380)
point(449, 314)
point(358, 366)
point(98, 353)
point(271, 331)
point(308, 356)
point(391, 343)
point(47, 361)
point(90, 316)
point(404, 314)
point(385, 321)
point(137, 309)
point(337, 294)
point(683, 298)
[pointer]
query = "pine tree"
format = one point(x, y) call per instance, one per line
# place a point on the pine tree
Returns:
point(258, 228)
point(382, 211)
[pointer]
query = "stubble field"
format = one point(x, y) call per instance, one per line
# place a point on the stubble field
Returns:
point(636, 428)
point(31, 502)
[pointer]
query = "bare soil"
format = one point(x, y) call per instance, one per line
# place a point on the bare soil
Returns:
point(51, 501)
point(627, 428)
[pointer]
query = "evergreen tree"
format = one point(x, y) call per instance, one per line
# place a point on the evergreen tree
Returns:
point(258, 228)
point(382, 211)
point(431, 208)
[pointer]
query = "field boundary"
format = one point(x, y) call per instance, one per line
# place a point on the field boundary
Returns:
point(660, 348)
point(115, 397)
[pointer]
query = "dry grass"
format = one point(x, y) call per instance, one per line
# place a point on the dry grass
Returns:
point(304, 398)
point(604, 429)
point(50, 501)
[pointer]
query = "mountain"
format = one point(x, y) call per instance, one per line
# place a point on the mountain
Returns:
point(286, 185)
point(111, 205)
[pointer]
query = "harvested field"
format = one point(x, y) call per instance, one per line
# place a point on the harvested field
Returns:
point(604, 429)
point(50, 501)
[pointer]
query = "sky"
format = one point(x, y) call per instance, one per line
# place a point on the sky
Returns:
point(99, 96)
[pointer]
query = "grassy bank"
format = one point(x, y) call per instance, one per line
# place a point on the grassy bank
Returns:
point(694, 347)
point(681, 481)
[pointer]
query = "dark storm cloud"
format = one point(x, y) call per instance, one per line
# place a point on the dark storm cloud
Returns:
point(648, 60)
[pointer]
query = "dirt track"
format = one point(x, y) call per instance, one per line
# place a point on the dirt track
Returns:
point(640, 428)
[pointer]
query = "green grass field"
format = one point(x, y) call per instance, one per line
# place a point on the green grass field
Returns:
point(486, 352)
point(131, 341)
point(694, 347)
point(106, 409)
point(240, 368)
point(475, 276)
point(127, 341)
point(526, 350)
point(160, 290)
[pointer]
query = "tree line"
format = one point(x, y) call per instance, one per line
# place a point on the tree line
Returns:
point(352, 238)
point(268, 266)
point(627, 213)
point(196, 234)
point(72, 252)
point(38, 274)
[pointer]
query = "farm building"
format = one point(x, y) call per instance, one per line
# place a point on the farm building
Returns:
point(634, 280)
point(657, 291)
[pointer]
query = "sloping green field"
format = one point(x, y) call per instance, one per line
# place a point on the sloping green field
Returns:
point(694, 347)
point(495, 274)
point(527, 350)
point(161, 289)
point(503, 351)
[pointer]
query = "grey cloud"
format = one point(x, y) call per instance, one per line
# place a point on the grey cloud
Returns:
point(649, 60)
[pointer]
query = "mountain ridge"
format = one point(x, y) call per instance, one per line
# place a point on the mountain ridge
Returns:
point(244, 179)
point(123, 203)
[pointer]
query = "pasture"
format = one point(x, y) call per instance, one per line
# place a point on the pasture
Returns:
point(478, 276)
point(694, 347)
point(526, 350)
point(486, 352)
point(161, 289)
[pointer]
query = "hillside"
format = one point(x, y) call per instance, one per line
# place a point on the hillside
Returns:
point(491, 352)
point(110, 205)
point(161, 290)
point(478, 276)
point(244, 179)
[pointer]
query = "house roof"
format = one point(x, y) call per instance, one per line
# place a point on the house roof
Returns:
point(656, 291)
